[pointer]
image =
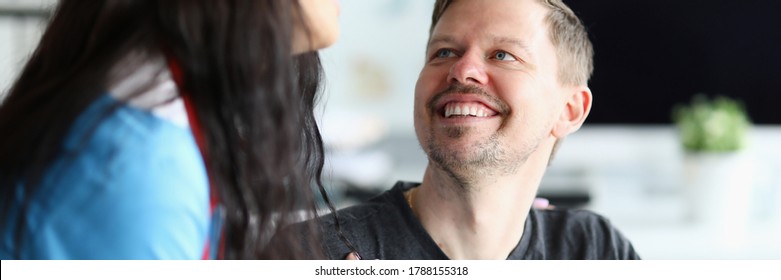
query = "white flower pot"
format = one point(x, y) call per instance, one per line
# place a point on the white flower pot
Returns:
point(718, 188)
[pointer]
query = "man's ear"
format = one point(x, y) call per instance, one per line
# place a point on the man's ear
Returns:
point(576, 108)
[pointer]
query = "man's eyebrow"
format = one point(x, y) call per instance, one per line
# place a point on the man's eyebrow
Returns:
point(440, 39)
point(445, 39)
point(513, 41)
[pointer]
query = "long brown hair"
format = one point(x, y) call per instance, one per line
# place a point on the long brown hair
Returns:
point(254, 101)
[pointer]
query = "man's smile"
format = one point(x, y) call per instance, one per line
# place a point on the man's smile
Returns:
point(467, 109)
point(462, 108)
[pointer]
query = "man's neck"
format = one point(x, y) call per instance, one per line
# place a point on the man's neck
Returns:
point(484, 220)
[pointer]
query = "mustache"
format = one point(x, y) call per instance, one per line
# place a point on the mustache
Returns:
point(459, 88)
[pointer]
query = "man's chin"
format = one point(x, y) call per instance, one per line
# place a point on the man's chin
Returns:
point(465, 133)
point(460, 144)
point(461, 159)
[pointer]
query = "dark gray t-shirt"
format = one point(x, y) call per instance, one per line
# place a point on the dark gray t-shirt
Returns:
point(385, 228)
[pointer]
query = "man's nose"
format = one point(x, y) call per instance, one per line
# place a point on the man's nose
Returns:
point(469, 69)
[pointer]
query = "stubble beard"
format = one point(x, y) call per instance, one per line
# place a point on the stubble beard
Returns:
point(478, 162)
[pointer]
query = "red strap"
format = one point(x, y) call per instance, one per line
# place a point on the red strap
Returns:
point(196, 128)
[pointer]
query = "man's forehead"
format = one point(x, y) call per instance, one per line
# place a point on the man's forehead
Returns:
point(503, 18)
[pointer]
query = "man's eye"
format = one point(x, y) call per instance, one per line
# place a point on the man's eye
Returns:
point(502, 55)
point(444, 53)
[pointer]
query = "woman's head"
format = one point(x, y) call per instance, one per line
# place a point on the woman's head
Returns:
point(253, 98)
point(320, 26)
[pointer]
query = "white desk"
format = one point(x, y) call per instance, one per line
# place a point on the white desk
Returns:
point(637, 181)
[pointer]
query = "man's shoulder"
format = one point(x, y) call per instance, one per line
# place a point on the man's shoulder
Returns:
point(384, 204)
point(565, 216)
point(557, 230)
point(356, 215)
point(571, 223)
point(371, 225)
point(363, 211)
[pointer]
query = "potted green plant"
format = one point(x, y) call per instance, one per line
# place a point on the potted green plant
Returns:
point(712, 125)
point(717, 170)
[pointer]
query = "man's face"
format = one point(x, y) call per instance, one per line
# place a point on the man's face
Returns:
point(488, 94)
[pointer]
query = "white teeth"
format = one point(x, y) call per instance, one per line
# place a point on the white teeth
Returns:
point(465, 110)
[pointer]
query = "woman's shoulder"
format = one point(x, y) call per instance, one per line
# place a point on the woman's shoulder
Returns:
point(133, 183)
point(119, 143)
point(110, 133)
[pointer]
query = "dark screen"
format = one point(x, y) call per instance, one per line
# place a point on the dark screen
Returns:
point(653, 54)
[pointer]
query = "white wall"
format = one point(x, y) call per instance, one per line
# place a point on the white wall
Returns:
point(372, 68)
point(19, 33)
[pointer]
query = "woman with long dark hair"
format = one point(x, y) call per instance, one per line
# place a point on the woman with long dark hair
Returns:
point(181, 129)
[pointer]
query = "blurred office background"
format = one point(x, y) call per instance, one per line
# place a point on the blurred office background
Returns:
point(626, 163)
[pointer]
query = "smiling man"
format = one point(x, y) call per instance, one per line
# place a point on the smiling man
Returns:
point(503, 82)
